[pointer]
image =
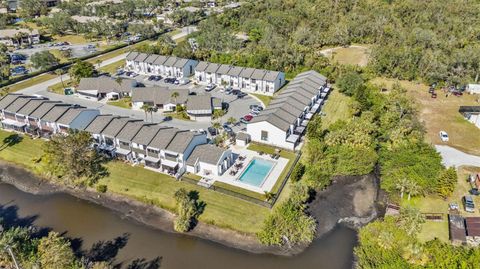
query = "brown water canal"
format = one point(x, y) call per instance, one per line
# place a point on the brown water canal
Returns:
point(105, 235)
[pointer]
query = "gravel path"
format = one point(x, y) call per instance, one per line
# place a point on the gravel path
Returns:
point(454, 157)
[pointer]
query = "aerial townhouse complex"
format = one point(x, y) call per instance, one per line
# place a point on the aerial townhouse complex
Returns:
point(251, 80)
point(284, 121)
point(160, 148)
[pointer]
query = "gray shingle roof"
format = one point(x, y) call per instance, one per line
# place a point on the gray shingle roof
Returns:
point(8, 100)
point(159, 95)
point(146, 134)
point(180, 63)
point(271, 75)
point(258, 74)
point(181, 141)
point(130, 130)
point(31, 106)
point(132, 55)
point(160, 60)
point(70, 115)
point(247, 72)
point(141, 57)
point(106, 84)
point(163, 138)
point(55, 113)
point(243, 136)
point(212, 68)
point(43, 109)
point(235, 71)
point(170, 61)
point(115, 126)
point(284, 110)
point(199, 102)
point(205, 153)
point(223, 69)
point(99, 123)
point(201, 66)
point(20, 102)
point(151, 59)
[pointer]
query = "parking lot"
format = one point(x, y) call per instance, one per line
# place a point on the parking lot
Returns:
point(236, 107)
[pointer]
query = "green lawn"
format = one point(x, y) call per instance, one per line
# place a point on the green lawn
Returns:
point(155, 188)
point(263, 98)
point(30, 82)
point(435, 204)
point(58, 88)
point(337, 107)
point(123, 102)
point(113, 67)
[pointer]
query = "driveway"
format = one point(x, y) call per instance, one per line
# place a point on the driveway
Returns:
point(454, 157)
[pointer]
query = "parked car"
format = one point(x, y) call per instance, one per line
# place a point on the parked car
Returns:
point(183, 81)
point(241, 94)
point(169, 80)
point(202, 131)
point(228, 91)
point(157, 78)
point(212, 131)
point(256, 107)
point(167, 118)
point(120, 72)
point(253, 113)
point(242, 120)
point(150, 78)
point(474, 191)
point(209, 87)
point(248, 117)
point(468, 204)
point(19, 70)
point(443, 136)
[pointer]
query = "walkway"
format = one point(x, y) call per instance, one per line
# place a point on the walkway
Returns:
point(454, 157)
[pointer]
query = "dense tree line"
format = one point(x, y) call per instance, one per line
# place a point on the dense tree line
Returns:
point(433, 40)
point(392, 243)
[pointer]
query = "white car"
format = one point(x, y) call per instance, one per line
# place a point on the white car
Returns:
point(210, 87)
point(443, 136)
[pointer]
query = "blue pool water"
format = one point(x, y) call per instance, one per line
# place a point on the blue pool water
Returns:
point(256, 172)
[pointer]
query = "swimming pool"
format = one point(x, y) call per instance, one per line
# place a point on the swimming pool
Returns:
point(256, 172)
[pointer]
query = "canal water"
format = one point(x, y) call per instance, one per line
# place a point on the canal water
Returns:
point(100, 232)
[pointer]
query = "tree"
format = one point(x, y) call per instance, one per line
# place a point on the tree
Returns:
point(402, 186)
point(72, 159)
point(175, 95)
point(350, 82)
point(59, 72)
point(216, 125)
point(81, 70)
point(31, 8)
point(147, 109)
point(188, 210)
point(314, 128)
point(411, 220)
point(55, 252)
point(231, 120)
point(298, 172)
point(43, 60)
point(413, 189)
point(446, 182)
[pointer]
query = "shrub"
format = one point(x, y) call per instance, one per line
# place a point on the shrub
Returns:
point(102, 188)
point(298, 172)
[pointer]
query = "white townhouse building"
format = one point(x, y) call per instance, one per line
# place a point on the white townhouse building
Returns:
point(166, 66)
point(209, 159)
point(284, 121)
point(76, 118)
point(246, 79)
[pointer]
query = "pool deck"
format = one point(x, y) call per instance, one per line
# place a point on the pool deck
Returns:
point(269, 182)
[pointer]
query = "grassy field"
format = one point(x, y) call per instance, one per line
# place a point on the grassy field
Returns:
point(151, 187)
point(442, 113)
point(336, 108)
point(123, 102)
point(435, 204)
point(58, 54)
point(30, 82)
point(263, 98)
point(354, 55)
point(112, 68)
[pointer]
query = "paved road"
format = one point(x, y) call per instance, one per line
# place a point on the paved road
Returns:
point(454, 157)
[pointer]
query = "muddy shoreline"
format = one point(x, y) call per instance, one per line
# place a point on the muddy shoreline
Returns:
point(162, 219)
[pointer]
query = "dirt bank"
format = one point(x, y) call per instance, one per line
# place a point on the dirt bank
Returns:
point(347, 199)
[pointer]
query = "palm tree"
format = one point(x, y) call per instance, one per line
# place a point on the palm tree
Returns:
point(216, 125)
point(232, 120)
point(402, 185)
point(151, 110)
point(146, 108)
point(413, 189)
point(59, 72)
point(174, 96)
point(4, 91)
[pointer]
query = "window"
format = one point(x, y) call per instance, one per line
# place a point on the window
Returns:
point(264, 136)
